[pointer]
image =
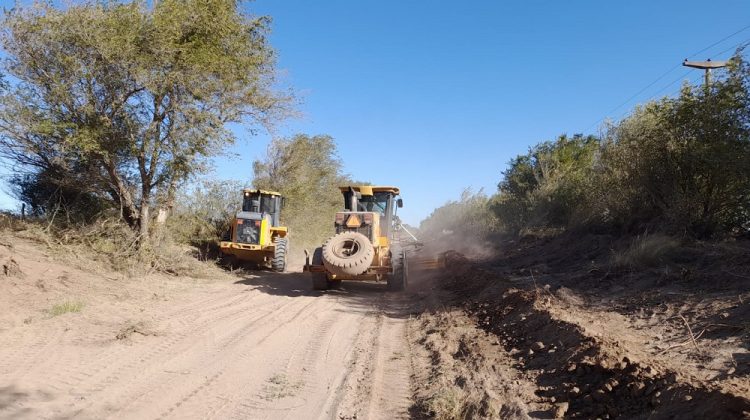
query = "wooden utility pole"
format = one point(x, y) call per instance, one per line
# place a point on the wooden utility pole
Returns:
point(707, 65)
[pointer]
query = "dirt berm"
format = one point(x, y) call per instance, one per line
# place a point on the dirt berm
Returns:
point(541, 332)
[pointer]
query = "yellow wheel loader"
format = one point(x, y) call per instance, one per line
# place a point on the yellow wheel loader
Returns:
point(255, 235)
point(366, 244)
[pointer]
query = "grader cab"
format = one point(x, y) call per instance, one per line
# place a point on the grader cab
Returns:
point(366, 244)
point(255, 234)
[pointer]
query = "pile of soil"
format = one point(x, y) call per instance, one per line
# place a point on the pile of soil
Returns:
point(549, 329)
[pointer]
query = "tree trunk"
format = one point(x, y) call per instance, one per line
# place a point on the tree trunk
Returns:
point(143, 222)
point(166, 209)
point(161, 216)
point(128, 209)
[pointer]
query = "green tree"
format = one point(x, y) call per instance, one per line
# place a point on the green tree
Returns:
point(63, 199)
point(134, 98)
point(203, 213)
point(307, 171)
point(684, 163)
point(676, 165)
point(547, 186)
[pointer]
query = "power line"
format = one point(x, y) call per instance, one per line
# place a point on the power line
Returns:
point(695, 80)
point(719, 42)
point(658, 79)
point(682, 77)
point(636, 95)
point(735, 47)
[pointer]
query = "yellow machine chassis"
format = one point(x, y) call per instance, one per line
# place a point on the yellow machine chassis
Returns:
point(248, 252)
point(370, 274)
point(381, 263)
point(255, 253)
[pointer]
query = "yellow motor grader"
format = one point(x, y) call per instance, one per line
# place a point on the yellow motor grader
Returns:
point(255, 235)
point(366, 244)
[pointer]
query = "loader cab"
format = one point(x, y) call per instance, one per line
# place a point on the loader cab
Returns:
point(264, 203)
point(261, 211)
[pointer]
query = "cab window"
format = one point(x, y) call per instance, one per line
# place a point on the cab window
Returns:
point(259, 203)
point(376, 203)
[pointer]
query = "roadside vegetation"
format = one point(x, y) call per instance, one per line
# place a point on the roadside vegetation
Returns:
point(307, 171)
point(110, 136)
point(468, 224)
point(109, 110)
point(676, 166)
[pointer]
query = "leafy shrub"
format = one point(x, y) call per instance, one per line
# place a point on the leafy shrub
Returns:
point(676, 165)
point(62, 196)
point(202, 214)
point(683, 165)
point(546, 187)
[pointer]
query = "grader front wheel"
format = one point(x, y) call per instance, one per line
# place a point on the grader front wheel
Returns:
point(398, 280)
point(319, 280)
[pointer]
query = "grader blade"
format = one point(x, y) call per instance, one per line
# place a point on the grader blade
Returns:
point(436, 263)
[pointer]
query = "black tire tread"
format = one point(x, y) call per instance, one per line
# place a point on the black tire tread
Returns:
point(319, 280)
point(278, 263)
point(398, 280)
point(352, 266)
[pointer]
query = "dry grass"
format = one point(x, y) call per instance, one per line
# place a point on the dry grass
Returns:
point(452, 403)
point(540, 232)
point(279, 386)
point(11, 222)
point(65, 308)
point(646, 251)
point(6, 221)
point(109, 245)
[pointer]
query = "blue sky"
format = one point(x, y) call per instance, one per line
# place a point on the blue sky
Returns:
point(436, 97)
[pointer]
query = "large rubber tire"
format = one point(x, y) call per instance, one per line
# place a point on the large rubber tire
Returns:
point(319, 280)
point(281, 250)
point(348, 254)
point(399, 279)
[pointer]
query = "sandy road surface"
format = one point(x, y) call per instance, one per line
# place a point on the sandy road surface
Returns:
point(261, 347)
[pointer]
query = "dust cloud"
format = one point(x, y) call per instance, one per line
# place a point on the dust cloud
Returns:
point(435, 239)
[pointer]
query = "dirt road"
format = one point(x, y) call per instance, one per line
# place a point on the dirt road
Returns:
point(262, 347)
point(472, 340)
